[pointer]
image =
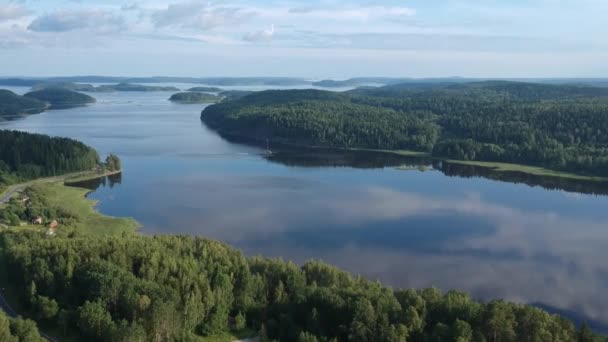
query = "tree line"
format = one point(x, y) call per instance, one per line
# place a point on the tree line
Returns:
point(26, 156)
point(178, 288)
point(562, 127)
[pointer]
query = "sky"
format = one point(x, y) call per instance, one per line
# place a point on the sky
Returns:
point(313, 39)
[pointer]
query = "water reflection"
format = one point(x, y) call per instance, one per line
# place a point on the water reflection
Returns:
point(403, 238)
point(95, 183)
point(451, 226)
point(303, 157)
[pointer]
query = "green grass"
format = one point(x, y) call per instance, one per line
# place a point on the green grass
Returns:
point(89, 220)
point(532, 170)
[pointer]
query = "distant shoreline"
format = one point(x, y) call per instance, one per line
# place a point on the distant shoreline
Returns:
point(494, 166)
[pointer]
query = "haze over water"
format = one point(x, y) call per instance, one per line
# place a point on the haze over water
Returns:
point(407, 228)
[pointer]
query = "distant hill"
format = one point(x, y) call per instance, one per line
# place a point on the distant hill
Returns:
point(206, 89)
point(64, 85)
point(12, 105)
point(194, 97)
point(58, 97)
point(560, 127)
point(133, 87)
point(212, 81)
point(233, 94)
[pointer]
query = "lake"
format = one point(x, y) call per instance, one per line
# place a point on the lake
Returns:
point(521, 238)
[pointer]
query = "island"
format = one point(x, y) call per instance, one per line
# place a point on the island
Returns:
point(235, 93)
point(81, 274)
point(64, 85)
point(206, 89)
point(60, 98)
point(557, 130)
point(133, 87)
point(194, 97)
point(106, 88)
point(13, 105)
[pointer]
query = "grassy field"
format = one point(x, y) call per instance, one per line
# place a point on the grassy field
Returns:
point(89, 220)
point(532, 170)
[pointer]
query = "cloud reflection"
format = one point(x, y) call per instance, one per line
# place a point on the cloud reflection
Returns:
point(405, 239)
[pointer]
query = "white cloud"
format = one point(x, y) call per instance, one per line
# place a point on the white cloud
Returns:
point(12, 12)
point(355, 13)
point(198, 16)
point(99, 21)
point(260, 36)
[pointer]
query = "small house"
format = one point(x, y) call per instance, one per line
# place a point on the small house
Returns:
point(37, 220)
point(53, 224)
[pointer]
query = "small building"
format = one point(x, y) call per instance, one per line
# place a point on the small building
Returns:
point(37, 220)
point(53, 225)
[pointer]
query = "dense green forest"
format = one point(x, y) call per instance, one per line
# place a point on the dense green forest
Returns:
point(12, 105)
point(173, 288)
point(563, 127)
point(18, 330)
point(59, 97)
point(27, 156)
point(194, 97)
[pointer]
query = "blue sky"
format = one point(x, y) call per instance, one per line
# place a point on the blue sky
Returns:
point(315, 38)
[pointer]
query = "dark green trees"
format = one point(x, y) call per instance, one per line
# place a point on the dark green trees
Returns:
point(113, 163)
point(18, 330)
point(27, 156)
point(138, 288)
point(60, 97)
point(559, 127)
point(12, 105)
point(194, 97)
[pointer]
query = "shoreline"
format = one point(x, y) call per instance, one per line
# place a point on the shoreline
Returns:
point(87, 177)
point(499, 167)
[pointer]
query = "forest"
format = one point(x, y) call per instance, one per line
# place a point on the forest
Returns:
point(561, 127)
point(194, 97)
point(206, 89)
point(25, 156)
point(18, 329)
point(59, 97)
point(13, 105)
point(178, 288)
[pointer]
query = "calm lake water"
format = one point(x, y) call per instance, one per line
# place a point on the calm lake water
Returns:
point(408, 228)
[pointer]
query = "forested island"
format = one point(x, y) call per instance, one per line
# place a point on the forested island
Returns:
point(13, 105)
point(206, 89)
point(194, 97)
point(559, 127)
point(106, 88)
point(60, 98)
point(65, 85)
point(133, 87)
point(90, 276)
